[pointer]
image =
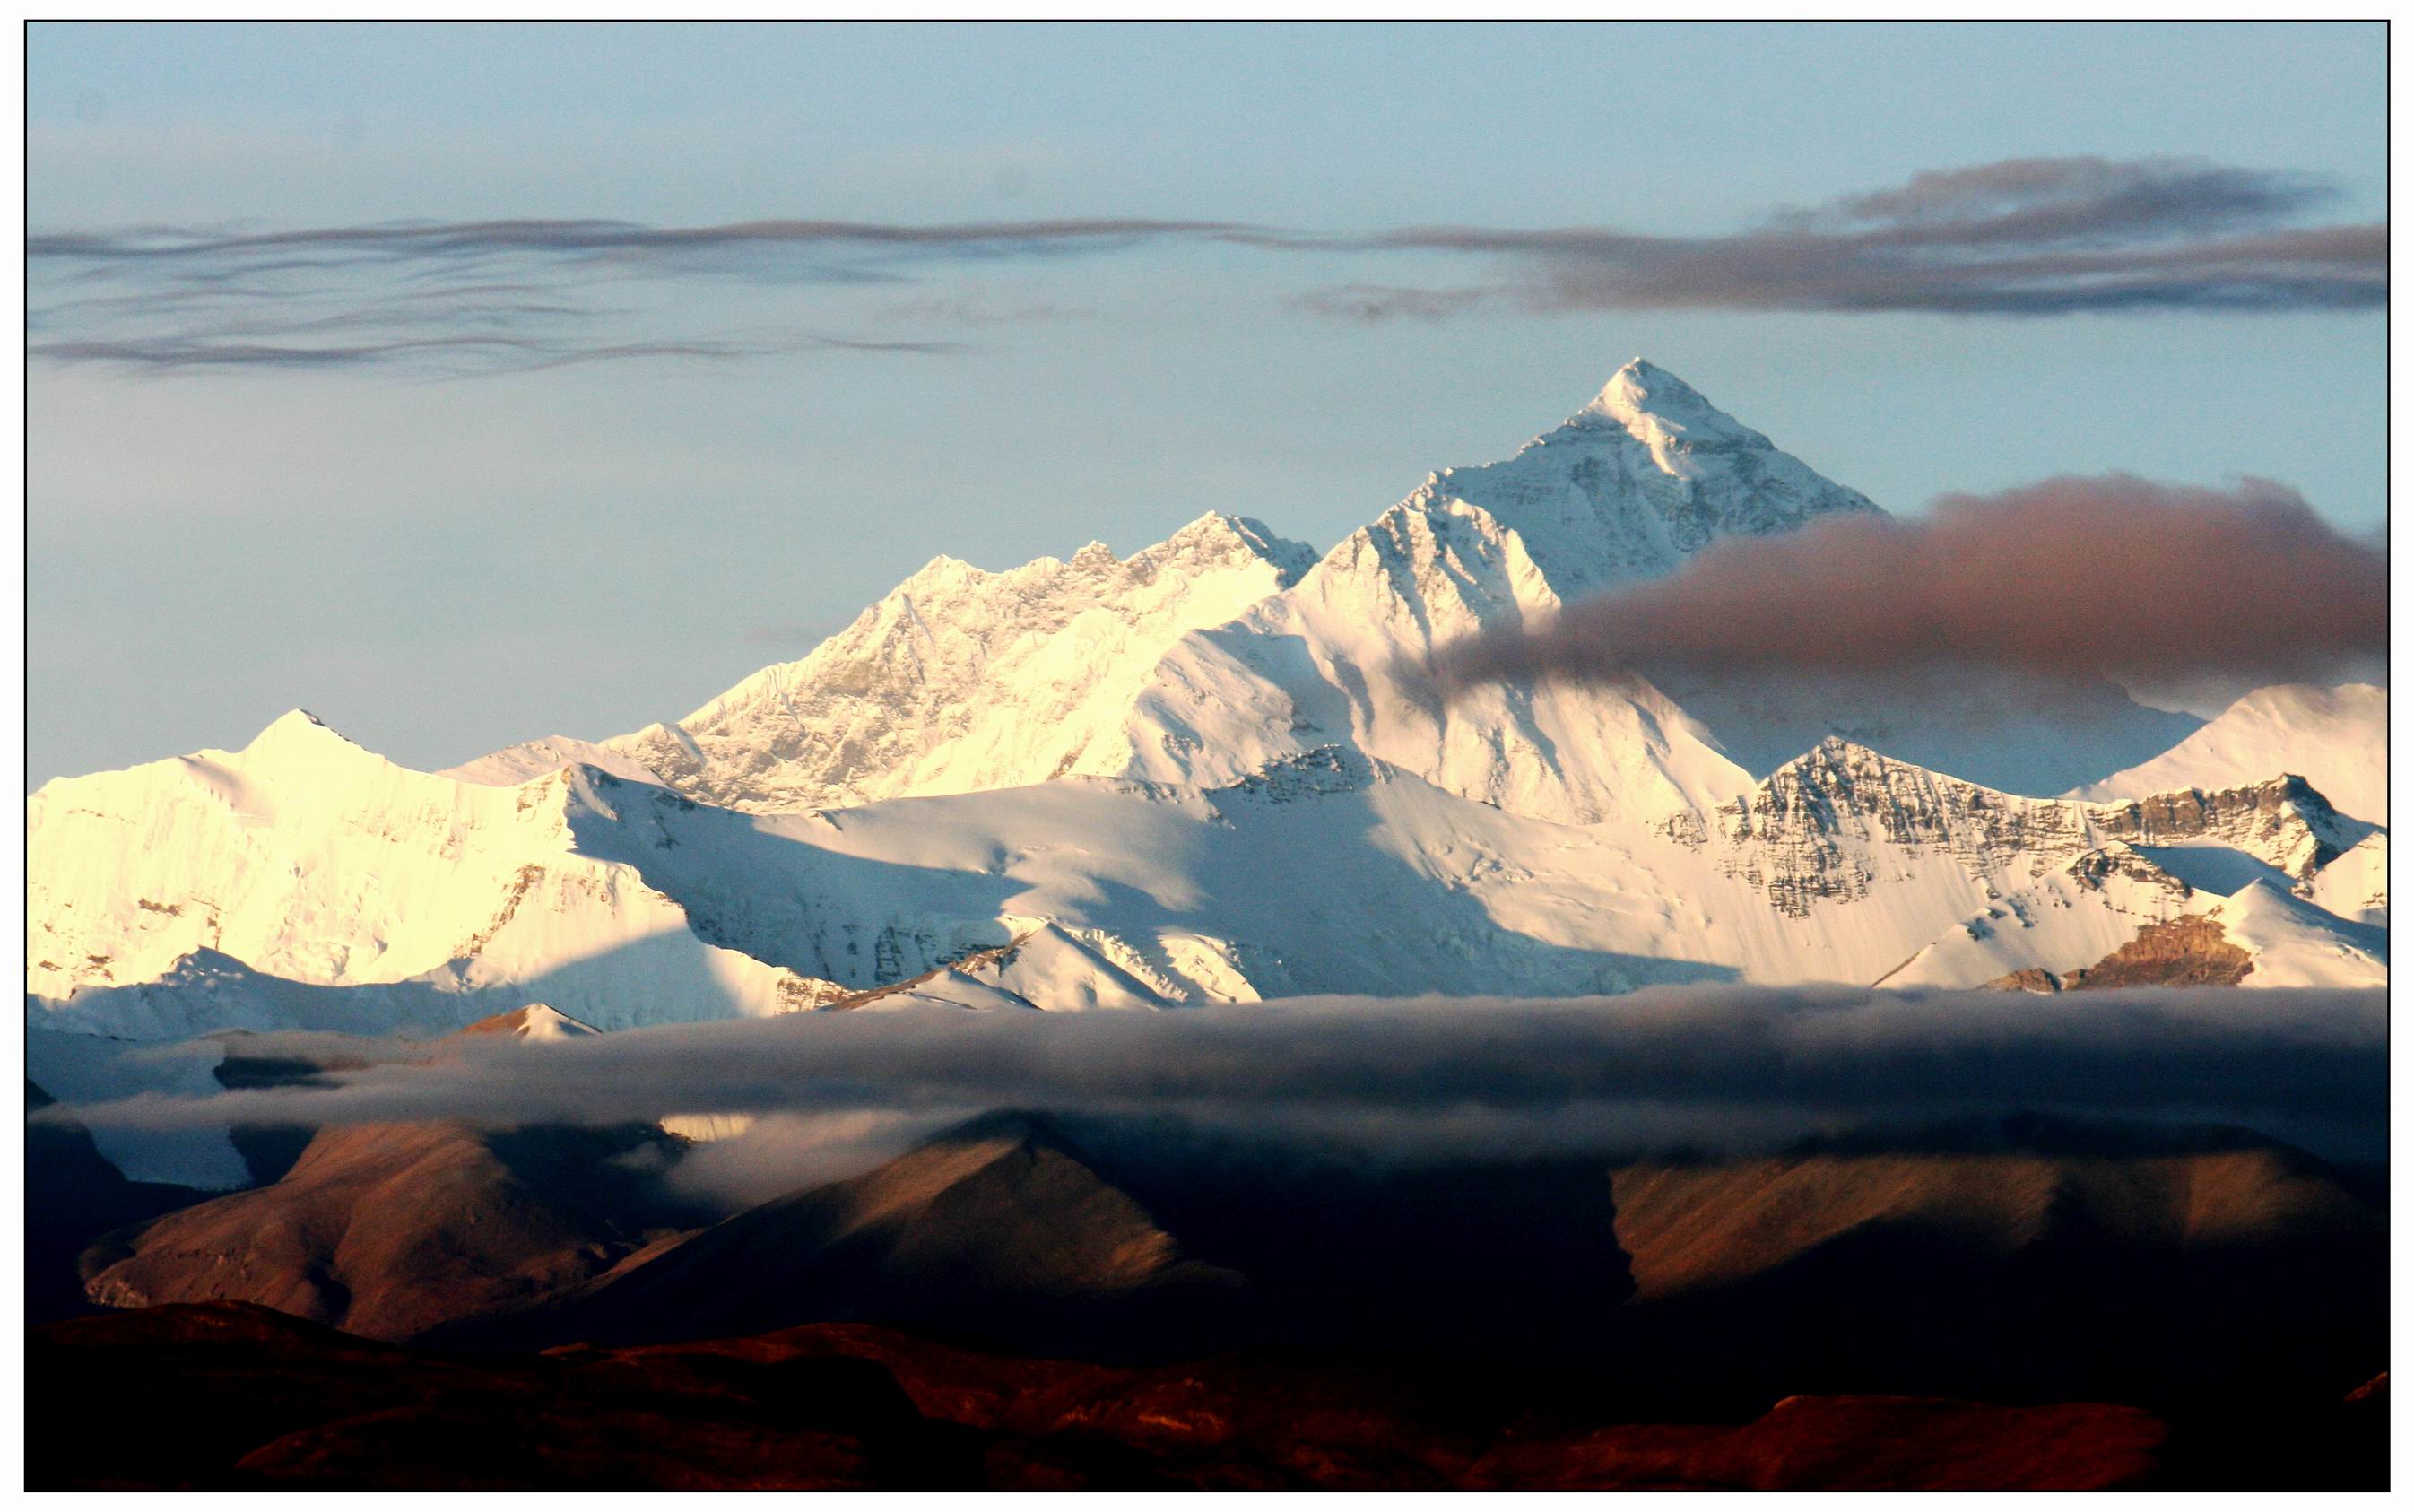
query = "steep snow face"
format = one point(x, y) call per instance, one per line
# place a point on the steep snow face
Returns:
point(2337, 738)
point(1202, 660)
point(265, 854)
point(963, 680)
point(1627, 489)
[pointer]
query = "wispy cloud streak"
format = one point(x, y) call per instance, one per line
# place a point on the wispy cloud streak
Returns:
point(522, 353)
point(2027, 237)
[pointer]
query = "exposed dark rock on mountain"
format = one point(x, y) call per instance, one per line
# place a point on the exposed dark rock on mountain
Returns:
point(2282, 821)
point(2188, 952)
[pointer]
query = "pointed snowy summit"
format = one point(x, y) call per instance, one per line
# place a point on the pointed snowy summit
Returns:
point(300, 730)
point(1649, 402)
point(1632, 484)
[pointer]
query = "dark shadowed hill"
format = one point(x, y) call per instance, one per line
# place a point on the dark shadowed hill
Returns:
point(1001, 1229)
point(2014, 1274)
point(387, 1230)
point(2022, 1259)
point(73, 1196)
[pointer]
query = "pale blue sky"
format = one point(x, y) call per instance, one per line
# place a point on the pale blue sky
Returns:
point(439, 565)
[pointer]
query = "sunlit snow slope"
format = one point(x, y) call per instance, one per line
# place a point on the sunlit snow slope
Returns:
point(1215, 770)
point(2337, 738)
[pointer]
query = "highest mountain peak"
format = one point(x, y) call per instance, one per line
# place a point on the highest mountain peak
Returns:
point(1637, 481)
point(1189, 661)
point(1648, 402)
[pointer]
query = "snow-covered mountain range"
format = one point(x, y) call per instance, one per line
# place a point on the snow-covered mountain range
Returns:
point(1216, 770)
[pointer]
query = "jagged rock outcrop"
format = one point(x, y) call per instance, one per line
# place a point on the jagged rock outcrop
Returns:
point(2281, 821)
point(1821, 826)
point(2188, 952)
point(1802, 833)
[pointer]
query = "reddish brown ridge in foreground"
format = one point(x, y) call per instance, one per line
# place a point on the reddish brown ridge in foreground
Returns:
point(236, 1395)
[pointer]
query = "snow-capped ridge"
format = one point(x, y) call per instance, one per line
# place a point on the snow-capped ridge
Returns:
point(963, 679)
point(2338, 737)
point(1213, 536)
point(1216, 770)
point(534, 760)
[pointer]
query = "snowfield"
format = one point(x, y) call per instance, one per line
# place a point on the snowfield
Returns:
point(1217, 772)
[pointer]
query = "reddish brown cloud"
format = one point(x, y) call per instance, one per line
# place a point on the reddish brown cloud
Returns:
point(2071, 576)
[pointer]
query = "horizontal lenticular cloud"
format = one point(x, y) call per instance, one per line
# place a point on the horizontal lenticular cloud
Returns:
point(468, 239)
point(509, 295)
point(1693, 1059)
point(2070, 577)
point(520, 352)
point(2024, 237)
point(2031, 236)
